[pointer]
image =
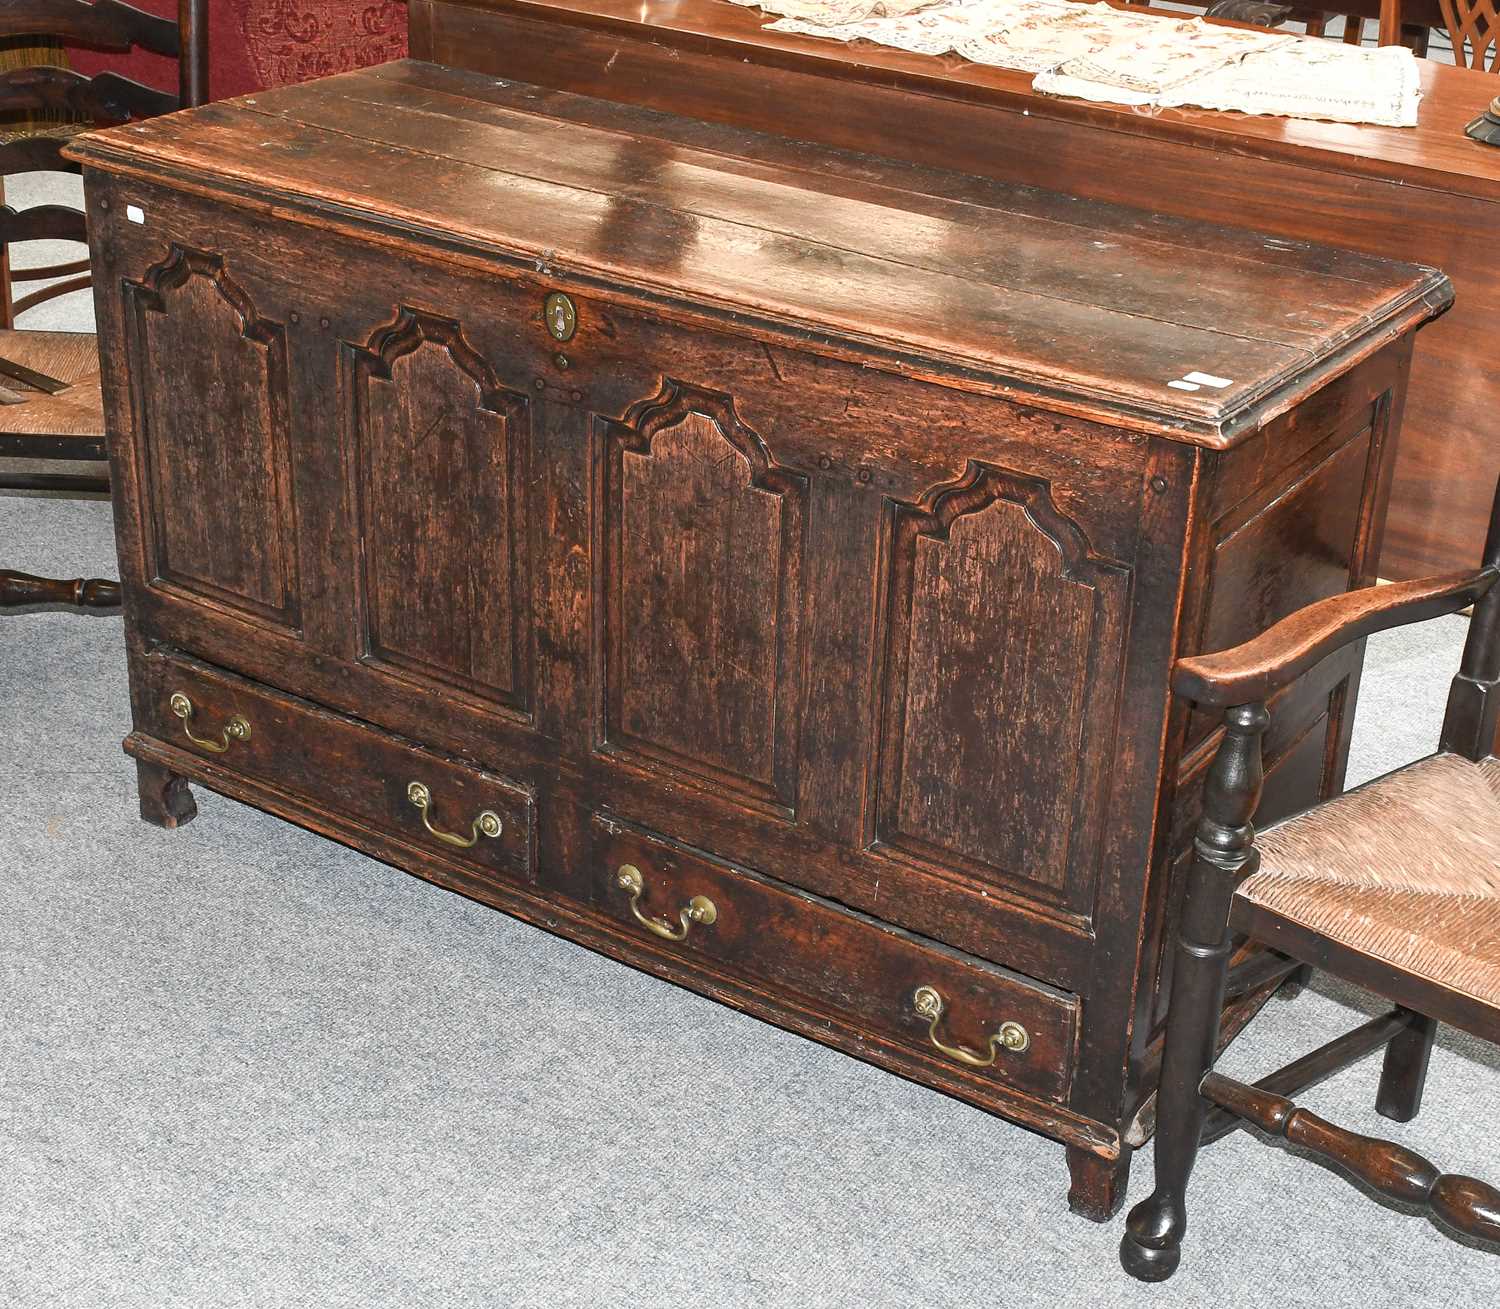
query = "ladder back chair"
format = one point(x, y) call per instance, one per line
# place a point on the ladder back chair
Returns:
point(50, 406)
point(1394, 886)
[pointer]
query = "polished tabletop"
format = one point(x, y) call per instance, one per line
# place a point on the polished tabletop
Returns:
point(1435, 152)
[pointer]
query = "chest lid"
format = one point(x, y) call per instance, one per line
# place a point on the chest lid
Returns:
point(1157, 323)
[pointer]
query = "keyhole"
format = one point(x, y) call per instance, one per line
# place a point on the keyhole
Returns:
point(560, 316)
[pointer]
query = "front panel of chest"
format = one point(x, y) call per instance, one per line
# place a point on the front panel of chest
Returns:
point(800, 604)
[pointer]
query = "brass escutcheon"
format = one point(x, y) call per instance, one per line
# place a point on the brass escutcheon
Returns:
point(486, 824)
point(1011, 1037)
point(236, 729)
point(561, 316)
point(700, 909)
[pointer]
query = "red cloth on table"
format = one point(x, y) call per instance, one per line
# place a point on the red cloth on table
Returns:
point(254, 44)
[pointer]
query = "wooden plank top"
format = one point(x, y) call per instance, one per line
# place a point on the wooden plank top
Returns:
point(1435, 153)
point(1158, 323)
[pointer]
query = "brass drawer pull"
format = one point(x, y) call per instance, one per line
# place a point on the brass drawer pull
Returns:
point(1011, 1036)
point(236, 729)
point(487, 824)
point(700, 909)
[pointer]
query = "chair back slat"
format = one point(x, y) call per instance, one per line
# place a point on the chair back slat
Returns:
point(109, 98)
point(1474, 28)
point(35, 154)
point(42, 223)
point(34, 298)
point(105, 99)
point(103, 24)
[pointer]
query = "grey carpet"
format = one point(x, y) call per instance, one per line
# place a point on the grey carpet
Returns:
point(243, 1066)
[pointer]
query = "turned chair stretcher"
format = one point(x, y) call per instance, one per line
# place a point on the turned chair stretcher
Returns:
point(1394, 886)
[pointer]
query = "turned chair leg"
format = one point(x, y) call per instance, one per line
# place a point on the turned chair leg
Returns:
point(1296, 982)
point(1224, 855)
point(1404, 1073)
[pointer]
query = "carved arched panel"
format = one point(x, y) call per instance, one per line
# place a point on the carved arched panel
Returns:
point(1003, 653)
point(439, 454)
point(702, 595)
point(208, 377)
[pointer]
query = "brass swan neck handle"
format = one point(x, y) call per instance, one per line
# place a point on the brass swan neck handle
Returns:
point(700, 909)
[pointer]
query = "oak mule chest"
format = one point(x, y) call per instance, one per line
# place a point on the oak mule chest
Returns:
point(759, 563)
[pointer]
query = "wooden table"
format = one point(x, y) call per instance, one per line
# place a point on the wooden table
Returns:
point(1426, 194)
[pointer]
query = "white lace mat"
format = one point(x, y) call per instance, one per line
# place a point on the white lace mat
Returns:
point(1094, 52)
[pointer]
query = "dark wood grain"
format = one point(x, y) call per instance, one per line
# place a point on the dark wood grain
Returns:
point(1297, 643)
point(440, 448)
point(746, 582)
point(104, 24)
point(166, 798)
point(21, 590)
point(1465, 1204)
point(103, 98)
point(1408, 193)
point(1403, 1074)
point(1098, 1183)
point(233, 453)
point(843, 963)
point(835, 268)
point(1224, 854)
point(702, 595)
point(1318, 1065)
point(360, 772)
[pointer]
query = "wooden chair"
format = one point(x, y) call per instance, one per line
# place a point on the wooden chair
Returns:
point(1394, 886)
point(49, 381)
point(1474, 28)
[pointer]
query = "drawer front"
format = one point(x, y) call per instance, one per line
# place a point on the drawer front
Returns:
point(898, 987)
point(449, 808)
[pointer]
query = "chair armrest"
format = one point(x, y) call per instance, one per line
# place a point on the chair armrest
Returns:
point(1249, 673)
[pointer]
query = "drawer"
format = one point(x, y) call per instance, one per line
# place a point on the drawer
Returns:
point(924, 996)
point(449, 808)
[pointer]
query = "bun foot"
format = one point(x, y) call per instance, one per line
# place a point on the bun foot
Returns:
point(1147, 1263)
